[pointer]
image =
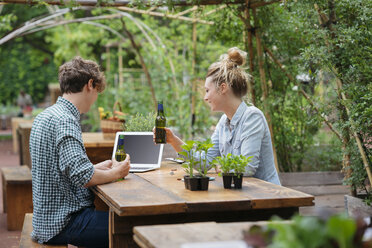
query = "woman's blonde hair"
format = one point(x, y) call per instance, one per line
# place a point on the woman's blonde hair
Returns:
point(228, 70)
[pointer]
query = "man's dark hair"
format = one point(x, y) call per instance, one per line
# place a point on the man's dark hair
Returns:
point(73, 75)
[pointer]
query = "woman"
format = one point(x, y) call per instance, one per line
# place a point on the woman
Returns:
point(242, 130)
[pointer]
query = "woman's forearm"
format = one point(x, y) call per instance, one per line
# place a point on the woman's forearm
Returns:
point(176, 144)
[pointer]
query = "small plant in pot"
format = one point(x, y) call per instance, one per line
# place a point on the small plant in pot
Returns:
point(232, 169)
point(202, 148)
point(225, 162)
point(239, 164)
point(195, 159)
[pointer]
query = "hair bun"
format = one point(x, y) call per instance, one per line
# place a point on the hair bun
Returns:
point(237, 56)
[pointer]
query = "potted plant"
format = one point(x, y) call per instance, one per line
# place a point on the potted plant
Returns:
point(195, 159)
point(232, 169)
point(202, 148)
point(111, 122)
point(140, 123)
point(225, 162)
point(191, 182)
point(239, 164)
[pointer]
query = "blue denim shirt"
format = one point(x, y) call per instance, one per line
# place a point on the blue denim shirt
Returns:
point(246, 134)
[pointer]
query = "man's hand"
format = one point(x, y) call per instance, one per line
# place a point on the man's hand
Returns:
point(121, 168)
point(109, 171)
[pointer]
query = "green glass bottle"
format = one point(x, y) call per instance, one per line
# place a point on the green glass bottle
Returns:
point(120, 154)
point(160, 123)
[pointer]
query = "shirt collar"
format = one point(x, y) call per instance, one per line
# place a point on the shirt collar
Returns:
point(70, 106)
point(238, 114)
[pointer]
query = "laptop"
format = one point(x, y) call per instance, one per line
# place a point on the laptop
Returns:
point(145, 155)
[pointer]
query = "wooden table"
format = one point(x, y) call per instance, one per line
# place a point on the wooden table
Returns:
point(174, 235)
point(23, 134)
point(55, 92)
point(98, 146)
point(158, 197)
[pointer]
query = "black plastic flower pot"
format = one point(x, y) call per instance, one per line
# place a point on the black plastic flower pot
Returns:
point(227, 180)
point(186, 180)
point(191, 183)
point(203, 183)
point(238, 181)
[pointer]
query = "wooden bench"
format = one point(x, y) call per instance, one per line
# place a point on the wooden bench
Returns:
point(26, 240)
point(326, 186)
point(175, 235)
point(17, 195)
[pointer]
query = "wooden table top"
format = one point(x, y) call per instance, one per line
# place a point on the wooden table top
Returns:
point(25, 125)
point(162, 192)
point(16, 175)
point(174, 235)
point(97, 140)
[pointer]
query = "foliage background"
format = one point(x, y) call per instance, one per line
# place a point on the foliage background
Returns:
point(291, 31)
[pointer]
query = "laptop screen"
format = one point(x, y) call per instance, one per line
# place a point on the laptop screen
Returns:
point(141, 148)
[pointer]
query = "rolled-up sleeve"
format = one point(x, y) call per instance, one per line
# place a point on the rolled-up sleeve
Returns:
point(73, 161)
point(252, 133)
point(215, 139)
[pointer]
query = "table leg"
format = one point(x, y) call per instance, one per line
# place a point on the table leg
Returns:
point(122, 239)
point(111, 240)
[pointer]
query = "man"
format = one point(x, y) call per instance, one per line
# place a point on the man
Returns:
point(61, 171)
point(24, 102)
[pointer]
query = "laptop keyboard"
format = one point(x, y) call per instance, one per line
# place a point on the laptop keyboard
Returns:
point(140, 168)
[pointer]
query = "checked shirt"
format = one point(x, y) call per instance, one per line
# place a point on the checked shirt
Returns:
point(60, 169)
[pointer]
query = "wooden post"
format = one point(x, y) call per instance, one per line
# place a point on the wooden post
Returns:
point(193, 88)
point(250, 51)
point(108, 60)
point(359, 143)
point(120, 64)
point(263, 84)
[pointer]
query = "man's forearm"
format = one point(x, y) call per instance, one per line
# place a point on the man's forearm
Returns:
point(101, 177)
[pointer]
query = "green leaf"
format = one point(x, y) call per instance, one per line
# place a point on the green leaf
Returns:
point(343, 230)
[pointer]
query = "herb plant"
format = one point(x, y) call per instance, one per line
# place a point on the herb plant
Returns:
point(202, 147)
point(193, 149)
point(225, 162)
point(229, 162)
point(190, 161)
point(240, 163)
point(140, 123)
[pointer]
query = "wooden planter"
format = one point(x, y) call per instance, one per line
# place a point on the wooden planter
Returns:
point(355, 207)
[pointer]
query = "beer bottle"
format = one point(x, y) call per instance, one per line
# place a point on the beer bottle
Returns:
point(160, 123)
point(120, 154)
